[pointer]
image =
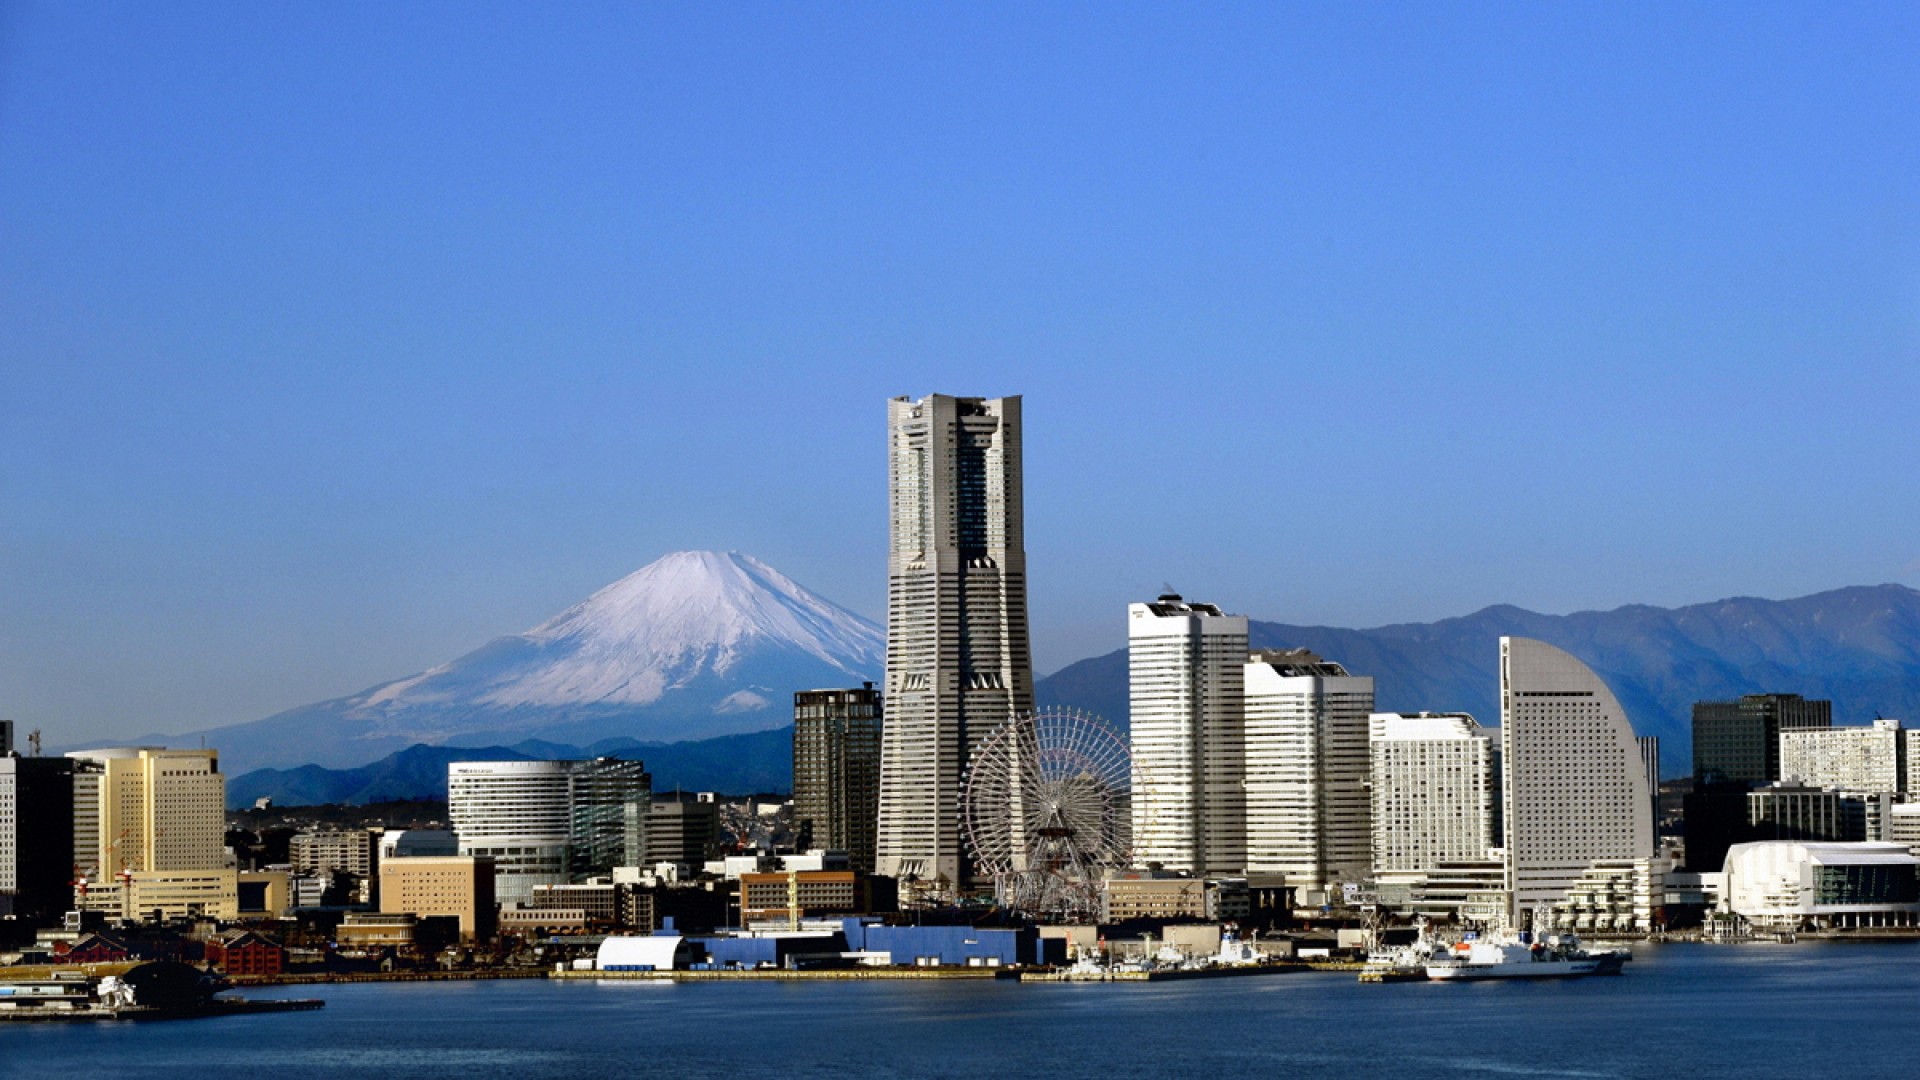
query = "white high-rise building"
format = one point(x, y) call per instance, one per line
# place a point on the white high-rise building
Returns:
point(1435, 790)
point(958, 661)
point(149, 833)
point(1186, 674)
point(1308, 814)
point(1574, 789)
point(1872, 758)
point(544, 822)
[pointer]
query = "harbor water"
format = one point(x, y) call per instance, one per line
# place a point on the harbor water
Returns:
point(1696, 1011)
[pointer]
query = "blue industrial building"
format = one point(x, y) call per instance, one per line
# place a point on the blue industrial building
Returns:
point(941, 946)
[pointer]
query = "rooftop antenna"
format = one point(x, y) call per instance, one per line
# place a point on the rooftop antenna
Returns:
point(33, 741)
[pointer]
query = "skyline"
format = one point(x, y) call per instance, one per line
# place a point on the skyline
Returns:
point(336, 347)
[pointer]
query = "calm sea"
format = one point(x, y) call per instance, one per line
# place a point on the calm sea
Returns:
point(1691, 1011)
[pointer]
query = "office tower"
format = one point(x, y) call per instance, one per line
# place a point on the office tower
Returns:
point(544, 822)
point(1186, 677)
point(36, 837)
point(1739, 741)
point(1308, 813)
point(1872, 758)
point(958, 661)
point(1574, 789)
point(676, 830)
point(604, 791)
point(836, 771)
point(149, 833)
point(6, 737)
point(1434, 789)
point(1736, 748)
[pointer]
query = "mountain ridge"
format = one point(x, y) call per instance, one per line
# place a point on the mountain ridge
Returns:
point(1858, 646)
point(760, 761)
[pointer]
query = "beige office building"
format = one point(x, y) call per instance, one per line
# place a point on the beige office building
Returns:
point(456, 885)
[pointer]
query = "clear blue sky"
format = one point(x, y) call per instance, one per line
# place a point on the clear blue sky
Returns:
point(338, 339)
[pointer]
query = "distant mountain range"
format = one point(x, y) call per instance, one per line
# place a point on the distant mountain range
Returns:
point(700, 648)
point(1859, 647)
point(733, 764)
point(694, 646)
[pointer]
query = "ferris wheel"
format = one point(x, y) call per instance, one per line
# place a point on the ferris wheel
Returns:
point(1048, 810)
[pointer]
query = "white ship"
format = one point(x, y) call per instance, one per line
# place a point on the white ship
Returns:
point(1520, 958)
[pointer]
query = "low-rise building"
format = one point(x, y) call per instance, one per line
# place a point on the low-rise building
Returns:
point(1151, 894)
point(796, 894)
point(248, 954)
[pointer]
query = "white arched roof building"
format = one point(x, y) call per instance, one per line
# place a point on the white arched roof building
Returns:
point(657, 952)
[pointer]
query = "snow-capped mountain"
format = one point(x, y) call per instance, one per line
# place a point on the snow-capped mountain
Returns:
point(695, 645)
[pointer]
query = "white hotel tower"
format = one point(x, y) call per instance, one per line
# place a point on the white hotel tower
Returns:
point(545, 822)
point(1575, 796)
point(1435, 790)
point(958, 660)
point(1186, 669)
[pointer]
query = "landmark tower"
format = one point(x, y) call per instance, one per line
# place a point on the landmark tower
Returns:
point(958, 660)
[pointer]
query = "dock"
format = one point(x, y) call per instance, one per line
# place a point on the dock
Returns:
point(854, 974)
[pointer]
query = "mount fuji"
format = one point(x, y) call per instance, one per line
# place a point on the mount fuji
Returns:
point(696, 645)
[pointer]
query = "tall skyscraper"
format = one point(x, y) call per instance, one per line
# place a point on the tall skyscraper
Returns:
point(545, 822)
point(836, 770)
point(1739, 741)
point(1186, 678)
point(958, 660)
point(1574, 787)
point(1435, 790)
point(1308, 813)
point(149, 832)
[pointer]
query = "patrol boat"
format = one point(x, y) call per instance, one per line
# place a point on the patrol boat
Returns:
point(1521, 956)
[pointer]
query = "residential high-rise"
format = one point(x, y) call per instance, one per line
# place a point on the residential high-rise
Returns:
point(1308, 812)
point(329, 851)
point(544, 822)
point(1870, 758)
point(1574, 787)
point(1739, 741)
point(836, 771)
point(36, 837)
point(1434, 792)
point(958, 660)
point(149, 832)
point(1186, 680)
